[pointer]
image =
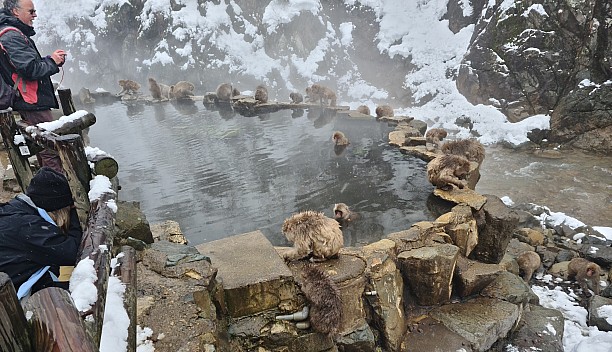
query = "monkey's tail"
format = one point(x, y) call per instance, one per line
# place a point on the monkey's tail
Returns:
point(325, 300)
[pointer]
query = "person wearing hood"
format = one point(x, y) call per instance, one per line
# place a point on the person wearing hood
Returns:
point(21, 65)
point(39, 232)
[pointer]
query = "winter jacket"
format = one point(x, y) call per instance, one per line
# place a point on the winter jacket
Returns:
point(28, 242)
point(24, 61)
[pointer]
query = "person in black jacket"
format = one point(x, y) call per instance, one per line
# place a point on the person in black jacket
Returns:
point(39, 229)
point(23, 65)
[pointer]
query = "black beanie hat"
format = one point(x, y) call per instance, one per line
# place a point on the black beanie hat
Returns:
point(49, 190)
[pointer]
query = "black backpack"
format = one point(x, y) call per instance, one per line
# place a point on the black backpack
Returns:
point(8, 93)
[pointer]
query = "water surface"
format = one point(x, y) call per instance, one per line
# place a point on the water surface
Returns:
point(221, 174)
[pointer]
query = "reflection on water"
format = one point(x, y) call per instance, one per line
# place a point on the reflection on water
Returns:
point(220, 174)
point(578, 185)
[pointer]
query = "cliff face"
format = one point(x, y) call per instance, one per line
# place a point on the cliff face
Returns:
point(525, 57)
point(529, 57)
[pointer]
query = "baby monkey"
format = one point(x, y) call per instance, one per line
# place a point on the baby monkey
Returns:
point(584, 271)
point(434, 136)
point(128, 86)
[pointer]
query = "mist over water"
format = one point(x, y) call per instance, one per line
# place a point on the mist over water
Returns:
point(224, 176)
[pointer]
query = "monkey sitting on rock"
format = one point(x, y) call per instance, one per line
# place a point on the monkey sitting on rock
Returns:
point(364, 109)
point(384, 111)
point(470, 149)
point(434, 136)
point(312, 234)
point(181, 90)
point(448, 171)
point(584, 271)
point(261, 94)
point(128, 87)
point(296, 98)
point(322, 94)
point(225, 92)
point(158, 90)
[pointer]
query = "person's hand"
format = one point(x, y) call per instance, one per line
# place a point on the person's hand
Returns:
point(59, 56)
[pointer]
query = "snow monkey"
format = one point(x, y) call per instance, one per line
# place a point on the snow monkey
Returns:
point(384, 111)
point(583, 271)
point(225, 91)
point(344, 215)
point(261, 94)
point(312, 233)
point(448, 170)
point(296, 97)
point(471, 149)
point(340, 139)
point(158, 90)
point(322, 94)
point(434, 136)
point(364, 109)
point(128, 86)
point(528, 263)
point(181, 90)
point(325, 301)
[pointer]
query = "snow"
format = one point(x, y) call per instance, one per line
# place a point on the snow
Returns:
point(410, 29)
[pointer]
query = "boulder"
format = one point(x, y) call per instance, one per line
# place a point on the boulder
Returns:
point(471, 277)
point(541, 327)
point(495, 234)
point(132, 222)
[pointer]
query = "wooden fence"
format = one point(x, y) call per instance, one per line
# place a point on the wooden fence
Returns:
point(53, 322)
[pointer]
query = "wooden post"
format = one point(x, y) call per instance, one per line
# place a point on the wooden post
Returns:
point(14, 333)
point(96, 245)
point(74, 161)
point(21, 165)
point(126, 270)
point(65, 96)
point(56, 324)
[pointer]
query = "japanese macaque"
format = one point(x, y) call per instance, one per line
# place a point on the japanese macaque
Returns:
point(296, 98)
point(384, 111)
point(225, 92)
point(158, 90)
point(434, 136)
point(448, 171)
point(528, 263)
point(312, 233)
point(344, 215)
point(584, 271)
point(321, 94)
point(470, 149)
point(340, 139)
point(85, 96)
point(261, 94)
point(364, 109)
point(325, 300)
point(128, 86)
point(181, 90)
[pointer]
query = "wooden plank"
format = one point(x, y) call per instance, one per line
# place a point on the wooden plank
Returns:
point(74, 161)
point(56, 324)
point(96, 245)
point(14, 333)
point(65, 97)
point(21, 165)
point(76, 125)
point(127, 272)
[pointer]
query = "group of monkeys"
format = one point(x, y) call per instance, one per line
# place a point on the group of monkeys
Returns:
point(160, 91)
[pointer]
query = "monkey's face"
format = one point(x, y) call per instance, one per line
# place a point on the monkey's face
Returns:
point(341, 211)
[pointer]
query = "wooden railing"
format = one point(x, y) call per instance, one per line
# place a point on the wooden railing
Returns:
point(53, 322)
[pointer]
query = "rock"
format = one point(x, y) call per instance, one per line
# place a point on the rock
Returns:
point(462, 196)
point(251, 283)
point(531, 236)
point(481, 321)
point(512, 288)
point(429, 271)
point(178, 261)
point(495, 234)
point(599, 313)
point(539, 326)
point(471, 277)
point(132, 222)
point(168, 230)
point(431, 335)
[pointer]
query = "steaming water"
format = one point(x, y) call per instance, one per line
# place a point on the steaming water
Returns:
point(221, 176)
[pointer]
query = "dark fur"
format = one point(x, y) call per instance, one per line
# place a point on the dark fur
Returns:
point(384, 110)
point(325, 300)
point(296, 97)
point(470, 149)
point(261, 94)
